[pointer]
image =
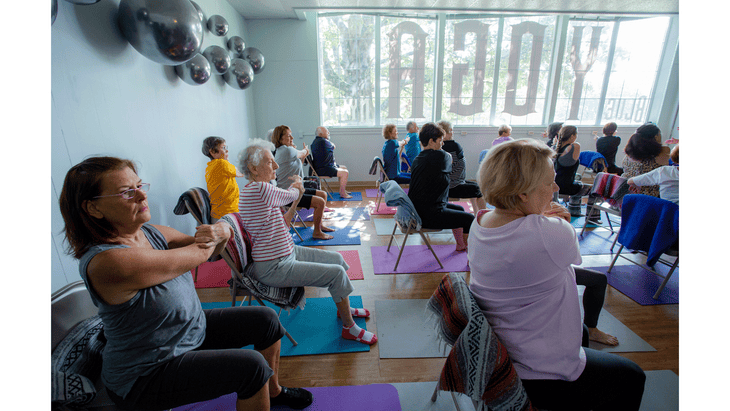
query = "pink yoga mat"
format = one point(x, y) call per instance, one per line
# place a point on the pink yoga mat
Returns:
point(418, 259)
point(385, 210)
point(213, 275)
point(372, 397)
point(352, 258)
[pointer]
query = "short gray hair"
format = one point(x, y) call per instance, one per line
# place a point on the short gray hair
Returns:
point(316, 131)
point(409, 124)
point(445, 125)
point(252, 154)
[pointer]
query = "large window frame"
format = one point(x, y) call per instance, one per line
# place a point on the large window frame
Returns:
point(558, 50)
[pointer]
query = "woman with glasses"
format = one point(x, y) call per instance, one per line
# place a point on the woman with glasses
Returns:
point(163, 350)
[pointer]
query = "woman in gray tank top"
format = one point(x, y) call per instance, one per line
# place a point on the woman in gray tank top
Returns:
point(163, 350)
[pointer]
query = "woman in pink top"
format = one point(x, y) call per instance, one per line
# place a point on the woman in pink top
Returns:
point(276, 260)
point(521, 256)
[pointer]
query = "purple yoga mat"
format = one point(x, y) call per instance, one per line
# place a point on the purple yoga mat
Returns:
point(418, 259)
point(640, 284)
point(373, 397)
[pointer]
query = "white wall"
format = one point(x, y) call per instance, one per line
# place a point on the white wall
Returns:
point(108, 99)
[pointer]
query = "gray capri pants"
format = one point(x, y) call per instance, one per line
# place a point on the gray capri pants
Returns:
point(307, 266)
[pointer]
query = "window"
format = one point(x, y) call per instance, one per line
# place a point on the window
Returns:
point(488, 70)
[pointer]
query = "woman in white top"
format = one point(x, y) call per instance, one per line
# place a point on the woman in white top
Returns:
point(276, 260)
point(521, 256)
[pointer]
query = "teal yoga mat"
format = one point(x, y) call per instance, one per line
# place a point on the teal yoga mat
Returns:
point(347, 235)
point(316, 328)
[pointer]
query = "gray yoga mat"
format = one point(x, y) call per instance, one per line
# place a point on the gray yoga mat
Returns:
point(407, 320)
point(384, 226)
point(661, 393)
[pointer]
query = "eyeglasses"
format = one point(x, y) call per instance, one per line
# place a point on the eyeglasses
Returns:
point(129, 194)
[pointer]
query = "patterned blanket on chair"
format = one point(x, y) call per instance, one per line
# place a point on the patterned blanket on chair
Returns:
point(239, 249)
point(478, 364)
point(611, 187)
point(198, 203)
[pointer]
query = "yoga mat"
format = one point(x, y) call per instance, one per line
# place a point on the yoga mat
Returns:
point(349, 214)
point(382, 209)
point(356, 196)
point(628, 341)
point(401, 321)
point(640, 284)
point(597, 241)
point(347, 235)
point(372, 397)
point(212, 275)
point(661, 391)
point(416, 396)
point(316, 328)
point(373, 192)
point(577, 222)
point(352, 258)
point(384, 226)
point(418, 259)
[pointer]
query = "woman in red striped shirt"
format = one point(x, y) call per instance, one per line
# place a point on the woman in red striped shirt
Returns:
point(277, 261)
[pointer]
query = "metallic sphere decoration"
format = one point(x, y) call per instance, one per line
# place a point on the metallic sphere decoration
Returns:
point(255, 58)
point(167, 32)
point(218, 25)
point(236, 45)
point(54, 11)
point(240, 75)
point(218, 58)
point(200, 12)
point(196, 71)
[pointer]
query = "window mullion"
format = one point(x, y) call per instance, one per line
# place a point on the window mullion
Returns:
point(376, 34)
point(556, 67)
point(495, 77)
point(607, 76)
point(439, 64)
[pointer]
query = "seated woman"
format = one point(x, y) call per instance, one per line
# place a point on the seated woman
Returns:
point(458, 186)
point(390, 154)
point(429, 188)
point(552, 134)
point(667, 177)
point(163, 350)
point(220, 178)
point(505, 134)
point(290, 164)
point(521, 256)
point(645, 152)
point(608, 146)
point(566, 166)
point(276, 260)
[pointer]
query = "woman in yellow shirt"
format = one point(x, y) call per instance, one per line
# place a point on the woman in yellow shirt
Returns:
point(220, 176)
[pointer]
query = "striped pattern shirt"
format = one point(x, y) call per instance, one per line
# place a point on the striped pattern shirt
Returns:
point(260, 210)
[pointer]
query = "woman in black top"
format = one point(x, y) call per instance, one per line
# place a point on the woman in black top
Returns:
point(429, 188)
point(566, 165)
point(552, 134)
point(608, 146)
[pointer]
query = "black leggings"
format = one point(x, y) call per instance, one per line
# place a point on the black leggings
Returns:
point(609, 382)
point(218, 367)
point(594, 294)
point(453, 216)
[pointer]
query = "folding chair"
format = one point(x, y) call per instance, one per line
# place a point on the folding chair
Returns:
point(608, 190)
point(294, 221)
point(478, 364)
point(375, 167)
point(649, 225)
point(406, 218)
point(195, 201)
point(592, 162)
point(404, 160)
point(310, 162)
point(237, 255)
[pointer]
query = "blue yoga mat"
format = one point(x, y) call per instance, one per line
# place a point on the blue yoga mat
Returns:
point(316, 328)
point(347, 235)
point(597, 242)
point(349, 214)
point(356, 196)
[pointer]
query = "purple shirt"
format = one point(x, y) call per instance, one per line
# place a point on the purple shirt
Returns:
point(523, 280)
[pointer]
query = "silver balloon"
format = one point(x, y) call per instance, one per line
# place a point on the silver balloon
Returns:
point(255, 58)
point(240, 75)
point(236, 45)
point(218, 58)
point(218, 25)
point(196, 71)
point(200, 12)
point(83, 1)
point(167, 32)
point(54, 11)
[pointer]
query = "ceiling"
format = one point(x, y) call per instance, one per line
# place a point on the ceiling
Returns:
point(294, 9)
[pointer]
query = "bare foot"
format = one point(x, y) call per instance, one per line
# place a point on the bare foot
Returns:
point(461, 248)
point(345, 195)
point(327, 229)
point(594, 334)
point(322, 236)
